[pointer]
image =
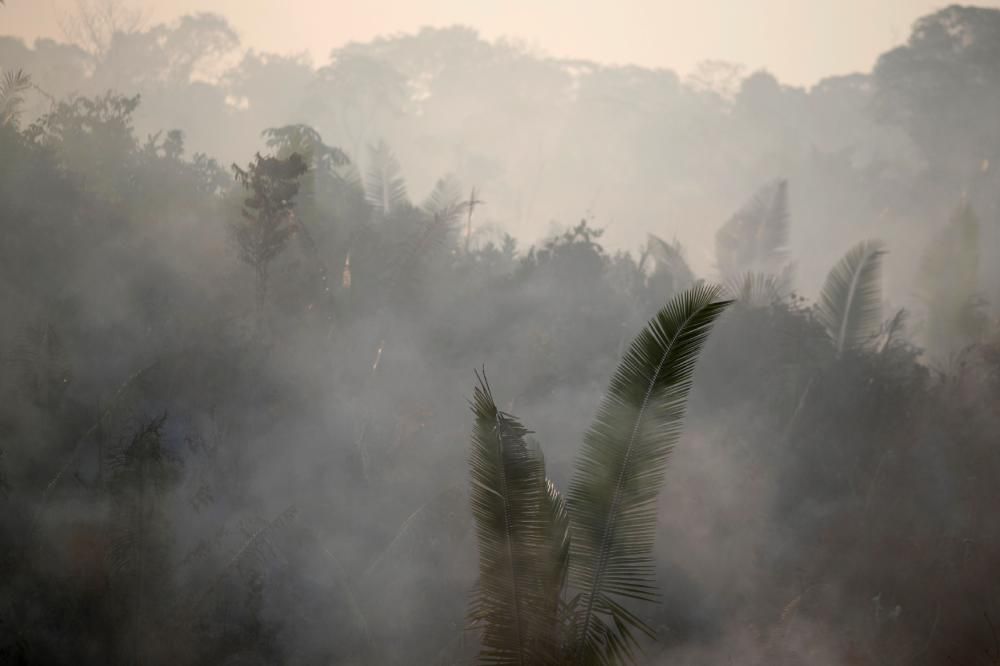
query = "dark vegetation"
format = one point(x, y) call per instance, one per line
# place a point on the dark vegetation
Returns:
point(233, 402)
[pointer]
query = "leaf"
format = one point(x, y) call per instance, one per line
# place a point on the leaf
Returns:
point(612, 498)
point(12, 87)
point(385, 188)
point(669, 260)
point(850, 303)
point(516, 603)
point(756, 237)
point(759, 289)
point(445, 200)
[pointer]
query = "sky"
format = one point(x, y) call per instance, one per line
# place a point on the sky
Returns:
point(800, 41)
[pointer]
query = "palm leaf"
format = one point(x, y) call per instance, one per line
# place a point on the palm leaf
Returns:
point(850, 303)
point(516, 603)
point(385, 188)
point(758, 289)
point(756, 237)
point(12, 87)
point(669, 259)
point(445, 199)
point(612, 498)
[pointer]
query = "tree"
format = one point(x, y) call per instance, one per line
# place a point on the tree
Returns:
point(756, 237)
point(266, 223)
point(948, 284)
point(13, 85)
point(599, 541)
point(96, 23)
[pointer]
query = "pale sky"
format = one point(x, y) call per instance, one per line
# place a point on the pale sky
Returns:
point(800, 41)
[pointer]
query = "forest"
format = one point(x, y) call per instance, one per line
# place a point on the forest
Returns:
point(447, 351)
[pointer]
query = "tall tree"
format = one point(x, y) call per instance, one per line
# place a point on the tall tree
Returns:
point(266, 223)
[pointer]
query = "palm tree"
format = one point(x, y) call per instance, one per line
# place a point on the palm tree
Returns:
point(385, 188)
point(557, 577)
point(13, 85)
point(756, 237)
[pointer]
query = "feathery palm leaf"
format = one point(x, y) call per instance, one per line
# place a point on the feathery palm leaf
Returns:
point(13, 85)
point(445, 199)
point(385, 188)
point(669, 259)
point(758, 289)
point(612, 497)
point(850, 303)
point(756, 237)
point(516, 603)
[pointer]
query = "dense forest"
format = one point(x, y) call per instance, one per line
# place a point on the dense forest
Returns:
point(246, 305)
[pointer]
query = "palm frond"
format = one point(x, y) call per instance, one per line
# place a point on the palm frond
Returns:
point(669, 260)
point(445, 200)
point(515, 604)
point(756, 237)
point(758, 289)
point(12, 88)
point(385, 188)
point(612, 498)
point(850, 303)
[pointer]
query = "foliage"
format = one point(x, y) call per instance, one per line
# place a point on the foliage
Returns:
point(267, 213)
point(850, 304)
point(756, 237)
point(384, 185)
point(949, 285)
point(610, 510)
point(12, 89)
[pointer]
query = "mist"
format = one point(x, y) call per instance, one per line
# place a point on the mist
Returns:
point(247, 300)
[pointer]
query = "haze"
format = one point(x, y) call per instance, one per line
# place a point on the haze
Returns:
point(798, 41)
point(453, 333)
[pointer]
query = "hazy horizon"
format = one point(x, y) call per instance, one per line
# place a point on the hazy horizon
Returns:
point(819, 39)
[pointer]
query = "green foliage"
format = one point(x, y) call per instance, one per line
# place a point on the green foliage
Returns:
point(612, 498)
point(266, 223)
point(516, 601)
point(525, 549)
point(850, 303)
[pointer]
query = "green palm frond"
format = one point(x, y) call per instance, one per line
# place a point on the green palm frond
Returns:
point(850, 303)
point(515, 604)
point(385, 188)
point(559, 530)
point(612, 497)
point(13, 85)
point(756, 237)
